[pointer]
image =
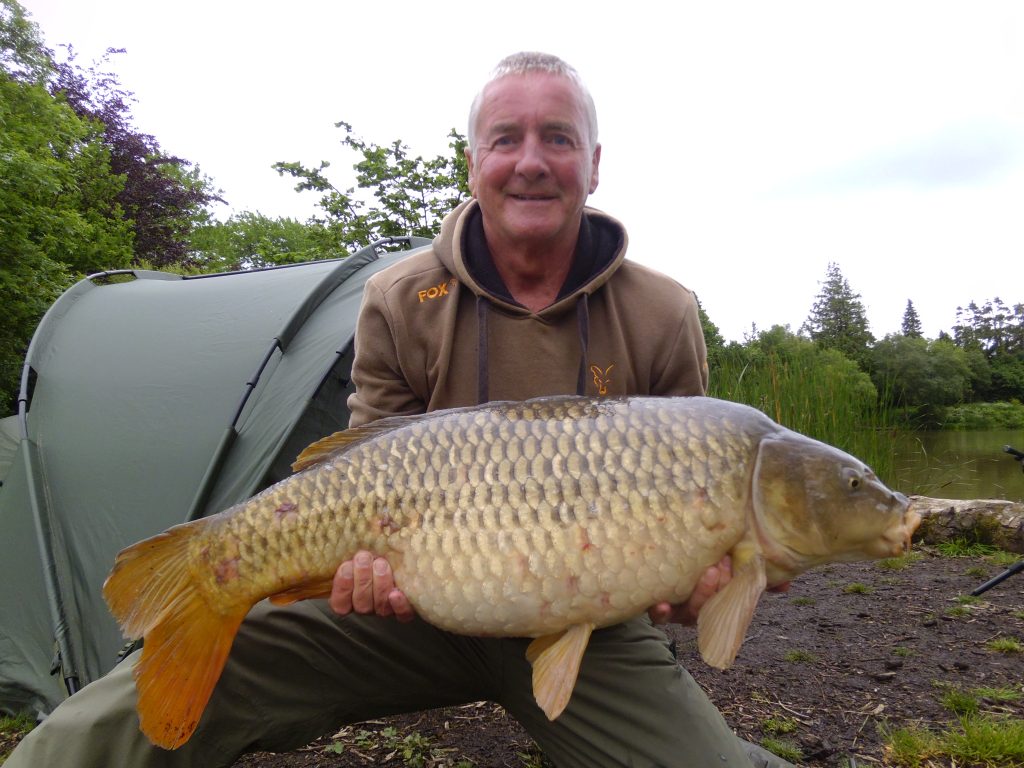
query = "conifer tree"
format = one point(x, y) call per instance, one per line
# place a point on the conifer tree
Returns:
point(838, 320)
point(911, 325)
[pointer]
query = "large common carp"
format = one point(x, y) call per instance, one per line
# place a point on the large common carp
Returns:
point(544, 518)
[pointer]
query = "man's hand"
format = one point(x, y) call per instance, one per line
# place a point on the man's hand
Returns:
point(712, 580)
point(365, 584)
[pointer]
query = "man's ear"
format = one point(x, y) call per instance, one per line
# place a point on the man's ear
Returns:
point(595, 161)
point(472, 171)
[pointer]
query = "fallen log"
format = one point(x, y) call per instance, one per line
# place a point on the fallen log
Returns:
point(987, 521)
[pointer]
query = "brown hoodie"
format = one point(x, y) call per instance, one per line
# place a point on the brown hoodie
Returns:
point(438, 329)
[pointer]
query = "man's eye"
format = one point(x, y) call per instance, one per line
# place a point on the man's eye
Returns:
point(560, 140)
point(504, 141)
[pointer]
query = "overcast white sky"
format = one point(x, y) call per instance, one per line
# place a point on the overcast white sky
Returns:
point(745, 145)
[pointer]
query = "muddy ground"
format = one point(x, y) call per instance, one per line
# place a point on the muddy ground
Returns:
point(850, 650)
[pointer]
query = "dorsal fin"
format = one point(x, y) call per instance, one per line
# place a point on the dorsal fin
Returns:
point(346, 439)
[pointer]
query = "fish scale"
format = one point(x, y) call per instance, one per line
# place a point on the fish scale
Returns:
point(546, 519)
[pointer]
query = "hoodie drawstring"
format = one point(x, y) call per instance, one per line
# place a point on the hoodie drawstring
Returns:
point(583, 324)
point(482, 362)
point(482, 347)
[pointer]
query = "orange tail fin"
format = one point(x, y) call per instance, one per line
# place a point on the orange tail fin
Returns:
point(152, 594)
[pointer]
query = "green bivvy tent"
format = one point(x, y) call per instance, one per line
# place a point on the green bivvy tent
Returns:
point(148, 399)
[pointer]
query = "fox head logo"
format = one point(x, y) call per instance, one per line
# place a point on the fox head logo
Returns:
point(602, 378)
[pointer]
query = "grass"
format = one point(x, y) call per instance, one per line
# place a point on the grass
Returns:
point(967, 599)
point(779, 726)
point(787, 750)
point(1004, 559)
point(973, 740)
point(958, 611)
point(856, 588)
point(1005, 645)
point(816, 393)
point(415, 749)
point(899, 563)
point(964, 547)
point(11, 727)
point(803, 601)
point(899, 650)
point(800, 657)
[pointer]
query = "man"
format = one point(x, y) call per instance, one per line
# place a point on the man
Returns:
point(524, 293)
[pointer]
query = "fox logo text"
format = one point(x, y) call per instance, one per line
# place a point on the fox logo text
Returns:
point(436, 291)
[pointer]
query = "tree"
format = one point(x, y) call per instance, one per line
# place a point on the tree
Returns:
point(252, 240)
point(58, 205)
point(713, 338)
point(920, 373)
point(163, 196)
point(412, 194)
point(837, 319)
point(993, 327)
point(22, 54)
point(911, 325)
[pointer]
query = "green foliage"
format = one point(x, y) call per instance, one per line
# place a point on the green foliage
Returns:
point(413, 749)
point(921, 372)
point(412, 195)
point(162, 196)
point(992, 327)
point(856, 588)
point(1009, 415)
point(777, 726)
point(815, 391)
point(800, 657)
point(838, 320)
point(22, 54)
point(784, 749)
point(964, 546)
point(902, 561)
point(59, 212)
point(713, 338)
point(978, 740)
point(252, 240)
point(1005, 645)
point(911, 325)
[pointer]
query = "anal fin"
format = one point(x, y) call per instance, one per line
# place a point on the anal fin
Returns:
point(308, 590)
point(556, 664)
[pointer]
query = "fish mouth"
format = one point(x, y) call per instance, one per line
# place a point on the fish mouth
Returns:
point(903, 534)
point(900, 536)
point(911, 519)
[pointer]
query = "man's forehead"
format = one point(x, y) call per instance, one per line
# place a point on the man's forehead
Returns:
point(556, 99)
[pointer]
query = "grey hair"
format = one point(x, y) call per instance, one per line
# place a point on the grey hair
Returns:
point(524, 63)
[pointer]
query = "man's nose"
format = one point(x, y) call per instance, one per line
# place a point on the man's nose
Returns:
point(532, 163)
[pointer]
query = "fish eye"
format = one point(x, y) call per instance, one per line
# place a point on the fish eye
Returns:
point(853, 479)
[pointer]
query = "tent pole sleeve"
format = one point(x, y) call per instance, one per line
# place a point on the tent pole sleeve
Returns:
point(44, 540)
point(198, 506)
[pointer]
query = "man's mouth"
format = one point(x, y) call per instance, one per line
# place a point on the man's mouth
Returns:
point(531, 198)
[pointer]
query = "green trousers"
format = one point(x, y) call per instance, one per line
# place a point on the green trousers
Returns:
point(298, 672)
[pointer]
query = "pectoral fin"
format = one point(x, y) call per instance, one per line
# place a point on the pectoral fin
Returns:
point(723, 621)
point(556, 664)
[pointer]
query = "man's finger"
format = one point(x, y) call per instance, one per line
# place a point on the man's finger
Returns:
point(341, 589)
point(400, 605)
point(362, 582)
point(383, 585)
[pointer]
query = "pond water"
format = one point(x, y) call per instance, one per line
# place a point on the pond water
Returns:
point(960, 465)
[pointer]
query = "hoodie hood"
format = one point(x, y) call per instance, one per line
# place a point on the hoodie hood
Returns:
point(463, 250)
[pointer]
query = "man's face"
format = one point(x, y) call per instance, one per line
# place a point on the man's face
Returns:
point(533, 167)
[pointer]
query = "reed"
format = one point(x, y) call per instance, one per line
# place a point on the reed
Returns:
point(818, 393)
